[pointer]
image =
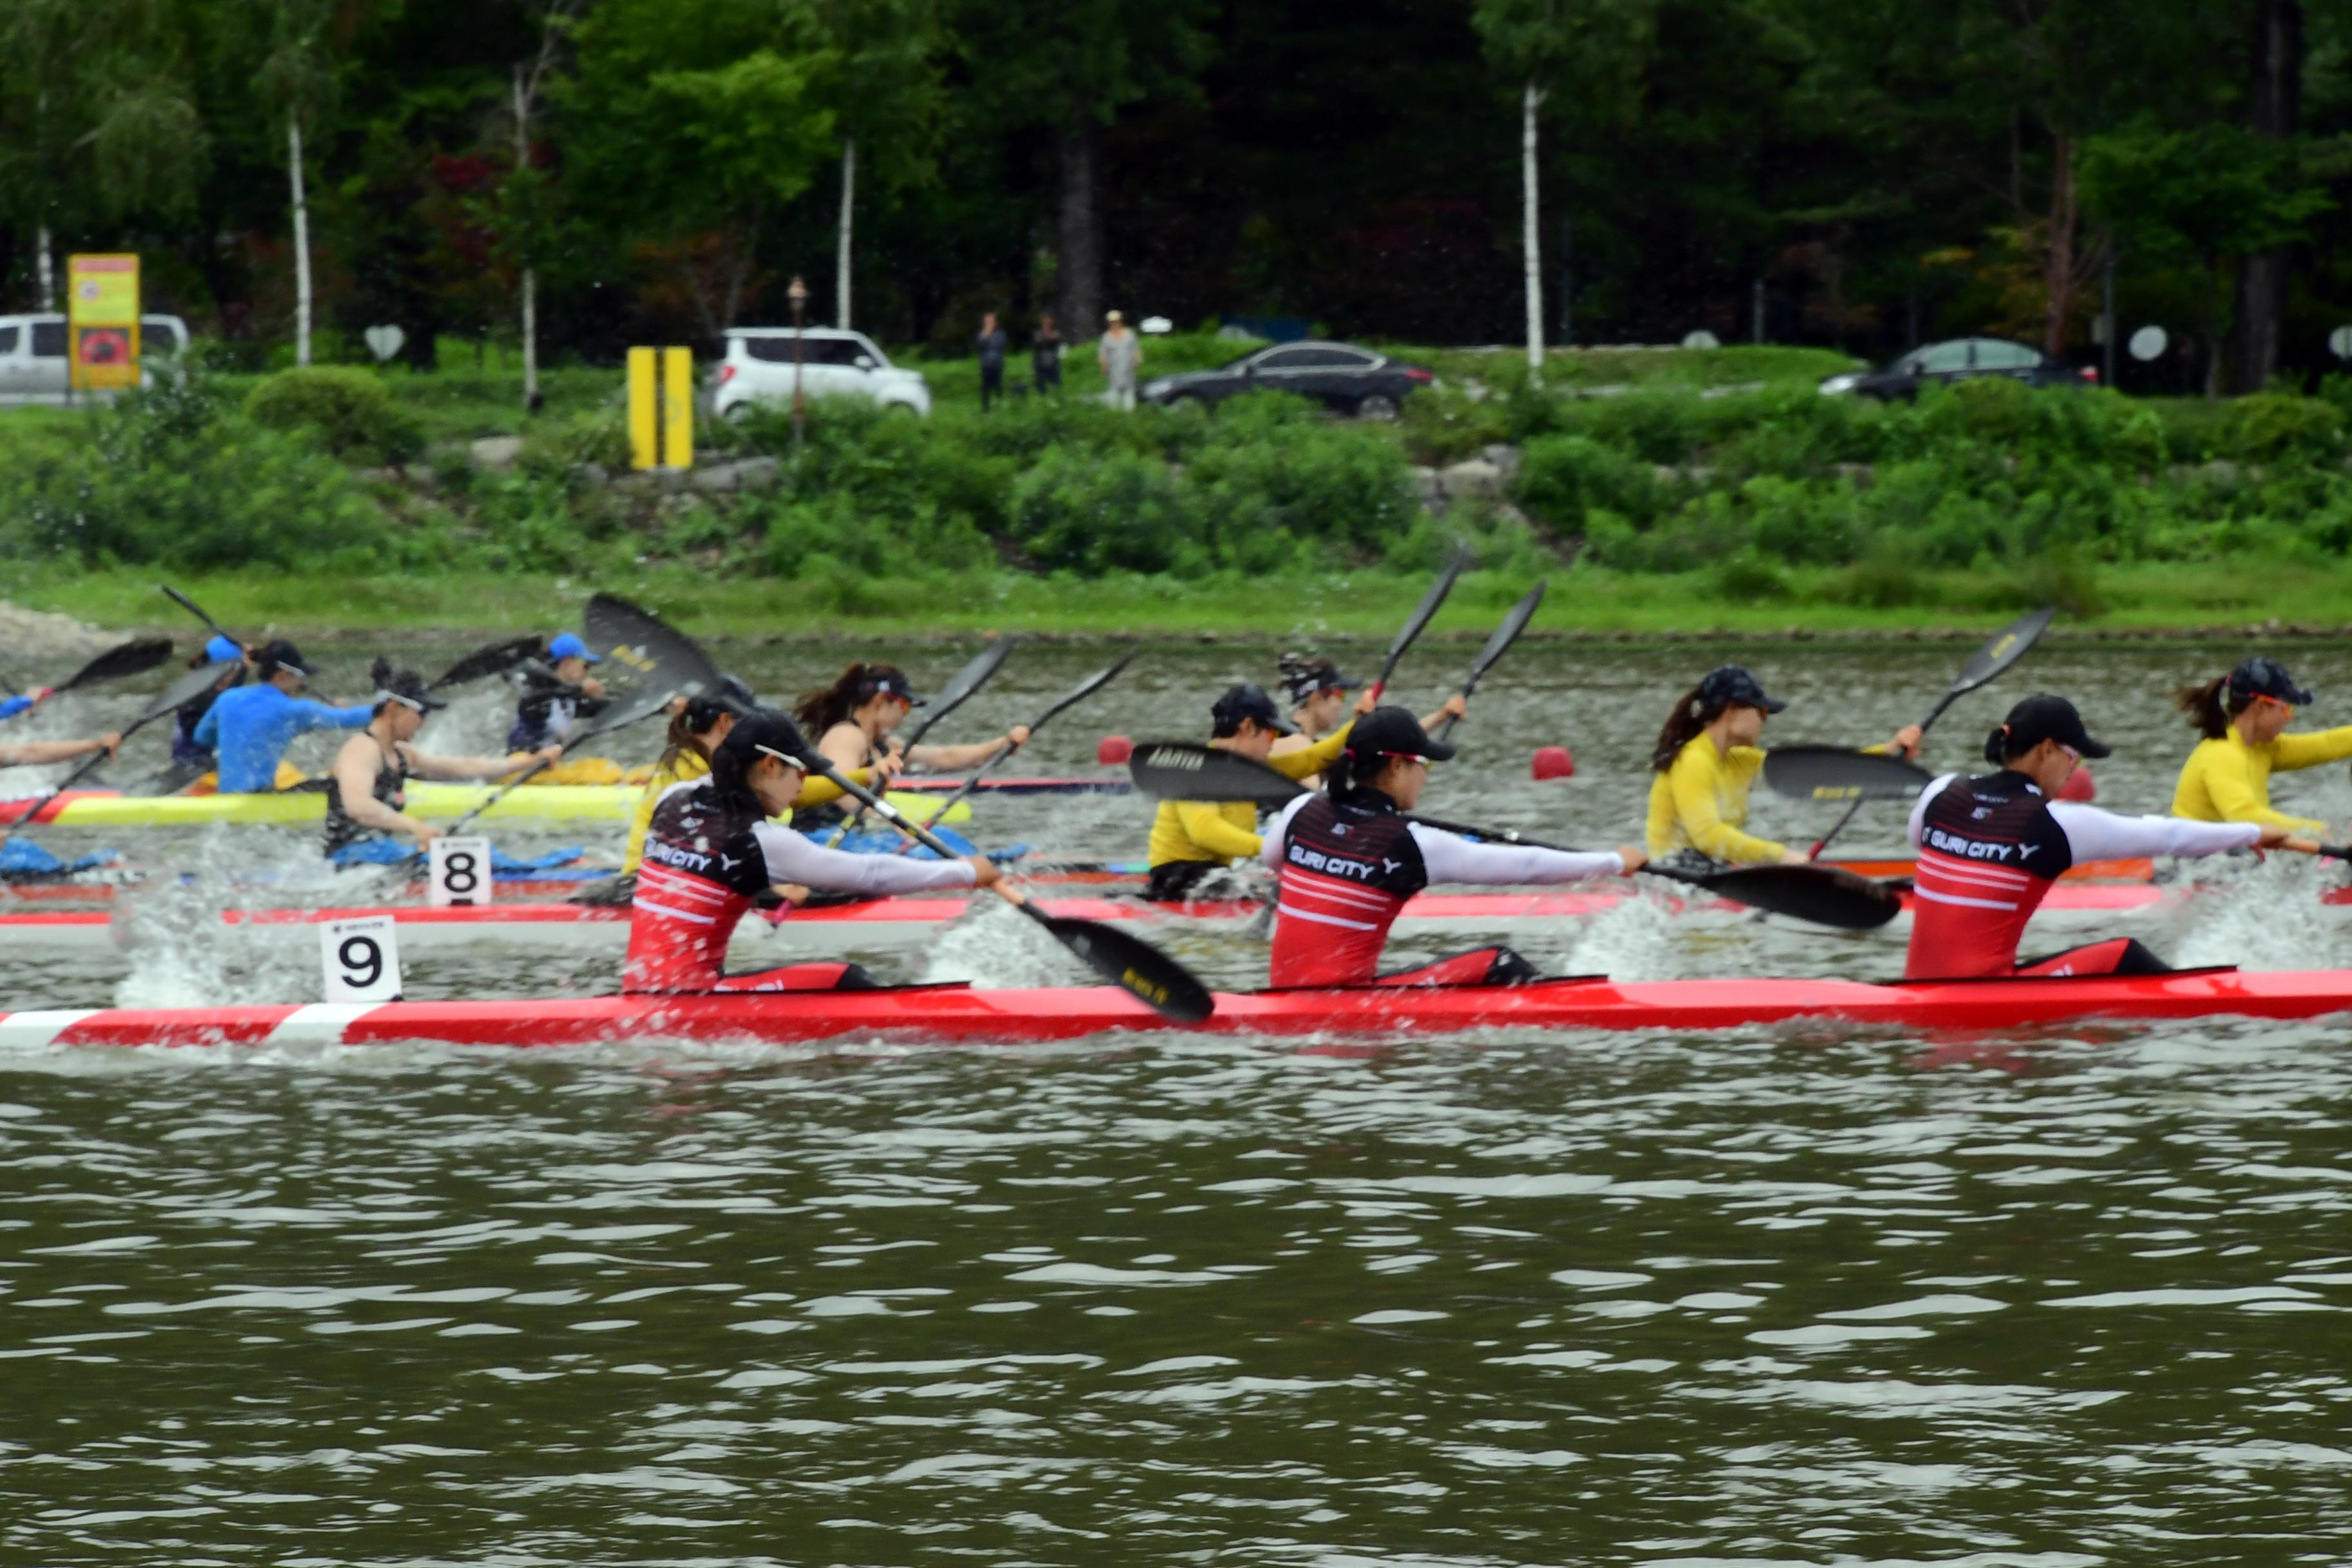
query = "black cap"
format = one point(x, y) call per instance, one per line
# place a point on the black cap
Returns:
point(1391, 732)
point(2038, 718)
point(1248, 701)
point(764, 732)
point(1302, 677)
point(888, 683)
point(1731, 686)
point(407, 688)
point(280, 654)
point(2265, 677)
point(729, 696)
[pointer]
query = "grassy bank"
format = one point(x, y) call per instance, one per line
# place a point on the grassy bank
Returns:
point(1661, 491)
point(2227, 596)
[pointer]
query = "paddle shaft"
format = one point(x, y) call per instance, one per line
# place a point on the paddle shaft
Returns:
point(1421, 615)
point(198, 611)
point(542, 765)
point(1496, 645)
point(1086, 689)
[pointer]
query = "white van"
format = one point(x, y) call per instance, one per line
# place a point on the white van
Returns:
point(33, 355)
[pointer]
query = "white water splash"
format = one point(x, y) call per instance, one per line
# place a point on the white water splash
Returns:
point(1634, 939)
point(181, 953)
point(2267, 916)
point(997, 949)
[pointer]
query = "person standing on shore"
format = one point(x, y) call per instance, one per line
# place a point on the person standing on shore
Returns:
point(1120, 354)
point(1046, 356)
point(989, 345)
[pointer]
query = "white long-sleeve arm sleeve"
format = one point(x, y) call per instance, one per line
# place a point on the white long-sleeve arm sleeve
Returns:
point(2099, 835)
point(792, 858)
point(1450, 857)
point(1278, 834)
point(1920, 807)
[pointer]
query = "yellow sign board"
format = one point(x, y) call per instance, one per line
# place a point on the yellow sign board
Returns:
point(661, 408)
point(102, 321)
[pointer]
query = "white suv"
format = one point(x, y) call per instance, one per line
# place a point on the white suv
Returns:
point(33, 355)
point(834, 364)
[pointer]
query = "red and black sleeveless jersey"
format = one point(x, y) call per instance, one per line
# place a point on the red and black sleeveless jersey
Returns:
point(1989, 851)
point(1347, 871)
point(704, 864)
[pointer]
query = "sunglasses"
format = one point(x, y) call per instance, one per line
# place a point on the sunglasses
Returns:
point(2288, 708)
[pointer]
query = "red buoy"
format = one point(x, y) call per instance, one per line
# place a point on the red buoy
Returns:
point(1112, 751)
point(2079, 787)
point(1553, 762)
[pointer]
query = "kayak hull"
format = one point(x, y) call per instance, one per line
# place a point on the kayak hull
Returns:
point(954, 1014)
point(436, 802)
point(872, 924)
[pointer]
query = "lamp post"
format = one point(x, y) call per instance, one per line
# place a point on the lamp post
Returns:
point(798, 295)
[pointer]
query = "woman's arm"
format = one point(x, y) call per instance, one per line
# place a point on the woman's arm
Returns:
point(1205, 825)
point(1694, 787)
point(2232, 794)
point(844, 746)
point(2099, 835)
point(355, 769)
point(33, 753)
point(2289, 752)
point(1450, 857)
point(947, 759)
point(427, 765)
point(1308, 760)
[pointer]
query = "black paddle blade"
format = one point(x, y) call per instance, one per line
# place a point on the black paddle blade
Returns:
point(2008, 645)
point(194, 609)
point(1182, 770)
point(194, 684)
point(641, 642)
point(131, 659)
point(1825, 895)
point(1421, 615)
point(1835, 774)
point(1132, 965)
point(495, 659)
point(1507, 634)
point(967, 680)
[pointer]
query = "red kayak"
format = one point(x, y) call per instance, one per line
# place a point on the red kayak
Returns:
point(955, 1015)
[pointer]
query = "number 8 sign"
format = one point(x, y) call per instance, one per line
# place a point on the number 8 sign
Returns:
point(461, 872)
point(361, 960)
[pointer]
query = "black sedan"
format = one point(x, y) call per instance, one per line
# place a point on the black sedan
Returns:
point(1340, 376)
point(1962, 359)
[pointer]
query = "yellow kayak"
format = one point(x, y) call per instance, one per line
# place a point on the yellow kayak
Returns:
point(438, 802)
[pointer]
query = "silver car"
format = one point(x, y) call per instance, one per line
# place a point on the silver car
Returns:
point(33, 355)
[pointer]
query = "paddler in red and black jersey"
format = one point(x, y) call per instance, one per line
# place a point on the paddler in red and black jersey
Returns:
point(1992, 848)
point(1346, 862)
point(712, 853)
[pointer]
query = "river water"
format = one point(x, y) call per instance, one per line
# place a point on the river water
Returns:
point(1790, 1296)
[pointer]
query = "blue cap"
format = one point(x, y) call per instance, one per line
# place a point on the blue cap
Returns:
point(223, 650)
point(566, 646)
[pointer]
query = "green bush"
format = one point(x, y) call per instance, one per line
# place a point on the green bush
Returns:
point(2273, 426)
point(345, 407)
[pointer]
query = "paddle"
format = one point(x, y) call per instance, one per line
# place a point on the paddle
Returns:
point(969, 680)
point(1833, 774)
point(198, 611)
point(495, 659)
point(134, 657)
point(1070, 699)
point(1130, 962)
point(1421, 614)
point(1505, 635)
point(1817, 765)
point(667, 664)
point(189, 686)
point(1821, 894)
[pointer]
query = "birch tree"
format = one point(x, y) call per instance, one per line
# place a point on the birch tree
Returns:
point(1586, 53)
point(297, 79)
point(889, 100)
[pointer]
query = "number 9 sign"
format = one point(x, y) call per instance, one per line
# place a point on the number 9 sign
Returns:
point(461, 872)
point(361, 960)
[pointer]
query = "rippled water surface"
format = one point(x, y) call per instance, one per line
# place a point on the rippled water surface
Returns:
point(1798, 1296)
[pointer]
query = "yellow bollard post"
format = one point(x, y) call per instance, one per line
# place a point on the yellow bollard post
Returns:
point(644, 399)
point(677, 407)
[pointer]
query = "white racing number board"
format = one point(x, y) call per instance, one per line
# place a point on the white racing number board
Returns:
point(461, 872)
point(361, 960)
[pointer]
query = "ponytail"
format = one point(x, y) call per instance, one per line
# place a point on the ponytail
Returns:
point(677, 741)
point(1996, 746)
point(820, 710)
point(2205, 707)
point(1691, 715)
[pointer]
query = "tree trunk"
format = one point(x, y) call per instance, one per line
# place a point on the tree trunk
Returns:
point(530, 273)
point(301, 240)
point(1078, 265)
point(46, 268)
point(2276, 112)
point(2059, 280)
point(1531, 236)
point(848, 211)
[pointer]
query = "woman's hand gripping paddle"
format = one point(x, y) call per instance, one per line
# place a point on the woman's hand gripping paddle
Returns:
point(135, 657)
point(188, 686)
point(1812, 773)
point(969, 680)
point(1070, 699)
point(1130, 962)
point(1823, 895)
point(1421, 615)
point(1505, 635)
